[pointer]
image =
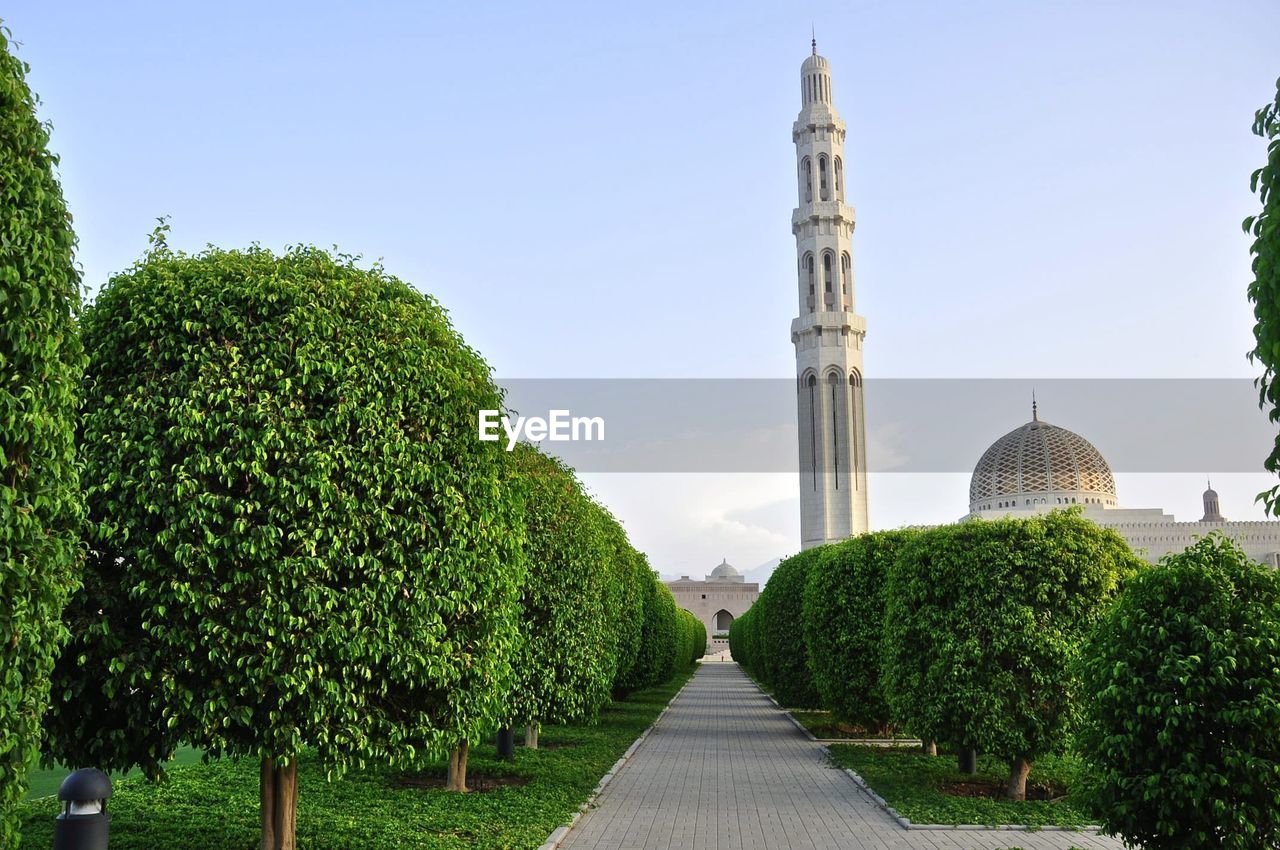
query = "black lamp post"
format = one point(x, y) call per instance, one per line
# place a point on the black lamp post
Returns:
point(84, 821)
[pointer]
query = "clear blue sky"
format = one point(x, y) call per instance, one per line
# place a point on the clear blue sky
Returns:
point(1043, 189)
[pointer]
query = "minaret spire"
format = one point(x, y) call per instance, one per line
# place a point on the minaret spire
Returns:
point(1035, 414)
point(814, 40)
point(827, 334)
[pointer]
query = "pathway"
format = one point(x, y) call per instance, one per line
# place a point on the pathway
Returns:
point(726, 770)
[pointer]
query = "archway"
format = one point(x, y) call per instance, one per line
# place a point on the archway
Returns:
point(723, 620)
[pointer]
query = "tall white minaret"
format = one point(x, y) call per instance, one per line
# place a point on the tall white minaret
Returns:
point(828, 335)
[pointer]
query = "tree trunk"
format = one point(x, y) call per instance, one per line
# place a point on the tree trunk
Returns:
point(930, 747)
point(278, 801)
point(1019, 770)
point(967, 760)
point(531, 736)
point(267, 803)
point(458, 769)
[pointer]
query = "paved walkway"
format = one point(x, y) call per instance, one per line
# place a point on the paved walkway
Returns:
point(726, 770)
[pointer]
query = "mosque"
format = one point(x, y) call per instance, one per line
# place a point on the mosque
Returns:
point(1040, 467)
point(723, 596)
point(1034, 468)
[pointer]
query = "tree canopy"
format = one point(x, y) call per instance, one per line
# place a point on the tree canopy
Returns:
point(295, 538)
point(984, 625)
point(1264, 290)
point(1180, 731)
point(40, 502)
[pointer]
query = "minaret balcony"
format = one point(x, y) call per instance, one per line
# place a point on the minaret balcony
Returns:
point(835, 320)
point(822, 209)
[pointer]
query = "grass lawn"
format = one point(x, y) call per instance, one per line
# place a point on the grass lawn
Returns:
point(931, 790)
point(44, 782)
point(215, 805)
point(822, 724)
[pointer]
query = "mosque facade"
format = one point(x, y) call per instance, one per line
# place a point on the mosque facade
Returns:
point(718, 600)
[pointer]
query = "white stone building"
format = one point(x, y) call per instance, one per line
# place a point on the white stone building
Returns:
point(717, 601)
point(1040, 467)
point(827, 334)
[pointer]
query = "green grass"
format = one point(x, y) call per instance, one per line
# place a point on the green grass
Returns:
point(215, 805)
point(44, 782)
point(912, 782)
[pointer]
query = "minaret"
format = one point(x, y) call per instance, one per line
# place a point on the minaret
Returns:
point(1212, 513)
point(828, 335)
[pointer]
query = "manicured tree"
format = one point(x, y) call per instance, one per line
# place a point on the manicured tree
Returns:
point(1264, 290)
point(565, 663)
point(656, 658)
point(41, 363)
point(698, 646)
point(296, 540)
point(631, 577)
point(844, 605)
point(785, 668)
point(983, 627)
point(1180, 730)
point(743, 641)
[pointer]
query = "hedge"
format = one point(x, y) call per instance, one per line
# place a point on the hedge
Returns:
point(984, 624)
point(296, 540)
point(843, 618)
point(42, 362)
point(1180, 732)
point(783, 662)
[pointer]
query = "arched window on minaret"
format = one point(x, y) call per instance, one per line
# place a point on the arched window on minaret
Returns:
point(846, 278)
point(807, 265)
point(806, 172)
point(828, 298)
point(833, 381)
point(839, 175)
point(824, 191)
point(813, 428)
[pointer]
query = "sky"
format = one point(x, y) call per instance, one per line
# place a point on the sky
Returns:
point(1044, 190)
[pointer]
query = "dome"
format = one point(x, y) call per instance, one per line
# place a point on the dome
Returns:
point(1041, 464)
point(725, 572)
point(814, 62)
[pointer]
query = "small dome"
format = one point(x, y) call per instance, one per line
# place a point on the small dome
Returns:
point(725, 572)
point(1040, 463)
point(815, 63)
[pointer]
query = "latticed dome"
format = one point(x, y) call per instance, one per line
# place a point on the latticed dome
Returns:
point(1041, 464)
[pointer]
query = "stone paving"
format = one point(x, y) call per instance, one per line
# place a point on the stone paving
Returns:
point(725, 770)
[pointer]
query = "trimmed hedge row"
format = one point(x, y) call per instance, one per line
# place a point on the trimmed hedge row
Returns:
point(966, 635)
point(296, 542)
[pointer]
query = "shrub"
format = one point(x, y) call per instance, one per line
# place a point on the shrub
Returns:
point(42, 362)
point(1181, 727)
point(656, 657)
point(297, 541)
point(742, 641)
point(565, 663)
point(783, 657)
point(984, 624)
point(844, 605)
point(628, 590)
point(693, 640)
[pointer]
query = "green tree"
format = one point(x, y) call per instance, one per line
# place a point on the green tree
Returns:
point(626, 593)
point(655, 660)
point(984, 625)
point(40, 367)
point(1264, 291)
point(1181, 728)
point(843, 619)
point(783, 657)
point(566, 661)
point(296, 540)
point(742, 640)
